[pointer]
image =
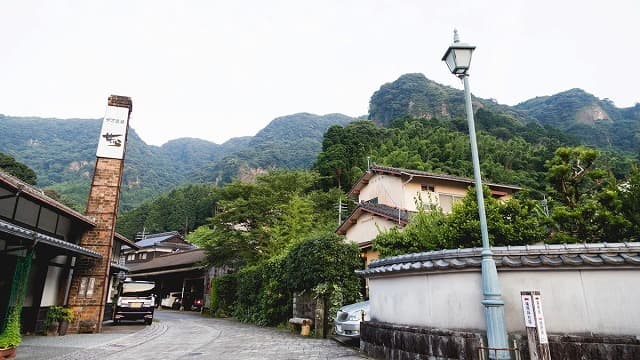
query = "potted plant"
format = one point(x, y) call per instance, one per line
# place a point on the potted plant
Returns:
point(52, 321)
point(66, 318)
point(10, 337)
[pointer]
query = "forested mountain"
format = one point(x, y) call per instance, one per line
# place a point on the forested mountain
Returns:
point(62, 153)
point(596, 122)
point(592, 121)
point(413, 95)
point(291, 142)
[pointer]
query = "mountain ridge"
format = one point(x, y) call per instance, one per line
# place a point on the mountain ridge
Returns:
point(62, 151)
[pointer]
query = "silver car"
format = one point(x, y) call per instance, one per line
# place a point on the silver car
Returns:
point(348, 319)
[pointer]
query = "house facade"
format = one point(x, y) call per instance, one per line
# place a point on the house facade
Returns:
point(387, 196)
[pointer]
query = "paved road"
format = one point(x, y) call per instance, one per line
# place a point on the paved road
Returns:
point(184, 335)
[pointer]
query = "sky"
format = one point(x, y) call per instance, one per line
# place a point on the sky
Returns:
point(220, 69)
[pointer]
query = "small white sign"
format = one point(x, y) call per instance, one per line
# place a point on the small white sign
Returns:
point(527, 308)
point(114, 133)
point(542, 331)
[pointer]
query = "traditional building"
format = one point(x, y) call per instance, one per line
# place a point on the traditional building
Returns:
point(154, 245)
point(33, 224)
point(387, 196)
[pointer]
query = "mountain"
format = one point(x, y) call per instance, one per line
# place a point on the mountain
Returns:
point(413, 95)
point(592, 121)
point(291, 142)
point(62, 153)
point(597, 122)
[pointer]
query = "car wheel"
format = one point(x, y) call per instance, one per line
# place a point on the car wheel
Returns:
point(116, 322)
point(175, 306)
point(148, 321)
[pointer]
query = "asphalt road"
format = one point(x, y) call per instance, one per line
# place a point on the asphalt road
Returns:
point(185, 335)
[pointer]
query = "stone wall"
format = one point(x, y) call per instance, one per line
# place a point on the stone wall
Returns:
point(397, 342)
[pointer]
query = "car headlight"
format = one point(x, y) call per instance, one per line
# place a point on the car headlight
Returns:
point(356, 315)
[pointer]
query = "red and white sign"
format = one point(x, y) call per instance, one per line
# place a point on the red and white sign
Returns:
point(542, 331)
point(527, 308)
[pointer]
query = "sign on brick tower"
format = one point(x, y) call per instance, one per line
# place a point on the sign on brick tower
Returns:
point(90, 282)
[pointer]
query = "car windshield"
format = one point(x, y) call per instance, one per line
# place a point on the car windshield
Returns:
point(139, 289)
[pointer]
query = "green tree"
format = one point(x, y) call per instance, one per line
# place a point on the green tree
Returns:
point(21, 171)
point(514, 222)
point(586, 206)
point(255, 221)
point(426, 231)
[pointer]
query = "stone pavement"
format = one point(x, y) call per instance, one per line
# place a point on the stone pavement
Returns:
point(176, 335)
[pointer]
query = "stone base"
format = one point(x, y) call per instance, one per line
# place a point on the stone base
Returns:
point(397, 342)
point(594, 347)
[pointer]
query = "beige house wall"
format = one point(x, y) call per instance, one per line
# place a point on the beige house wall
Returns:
point(392, 191)
point(366, 229)
point(387, 188)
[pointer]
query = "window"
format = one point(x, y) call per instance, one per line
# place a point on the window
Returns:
point(447, 201)
point(131, 257)
point(428, 187)
point(143, 256)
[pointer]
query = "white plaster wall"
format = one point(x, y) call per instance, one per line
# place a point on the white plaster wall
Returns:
point(366, 230)
point(51, 286)
point(573, 301)
point(443, 301)
point(387, 188)
point(598, 301)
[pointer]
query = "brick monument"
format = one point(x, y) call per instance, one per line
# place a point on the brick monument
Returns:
point(90, 281)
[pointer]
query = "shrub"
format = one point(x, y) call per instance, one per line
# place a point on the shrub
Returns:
point(325, 259)
point(66, 314)
point(54, 313)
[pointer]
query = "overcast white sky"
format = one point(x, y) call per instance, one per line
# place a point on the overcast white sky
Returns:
point(220, 69)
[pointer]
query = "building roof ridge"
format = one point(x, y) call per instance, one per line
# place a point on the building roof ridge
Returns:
point(550, 255)
point(38, 194)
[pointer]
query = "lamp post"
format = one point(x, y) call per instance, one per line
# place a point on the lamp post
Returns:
point(458, 59)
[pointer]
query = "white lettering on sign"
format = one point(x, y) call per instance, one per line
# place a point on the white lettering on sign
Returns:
point(527, 308)
point(113, 133)
point(542, 331)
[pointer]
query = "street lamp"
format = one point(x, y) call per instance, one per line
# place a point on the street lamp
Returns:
point(458, 59)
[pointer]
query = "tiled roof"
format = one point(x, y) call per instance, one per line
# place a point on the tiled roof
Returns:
point(31, 235)
point(559, 256)
point(379, 169)
point(126, 242)
point(385, 211)
point(175, 259)
point(39, 196)
point(154, 239)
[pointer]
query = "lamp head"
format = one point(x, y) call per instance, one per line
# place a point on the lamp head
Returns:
point(458, 56)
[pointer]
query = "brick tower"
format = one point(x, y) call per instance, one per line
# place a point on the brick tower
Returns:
point(90, 281)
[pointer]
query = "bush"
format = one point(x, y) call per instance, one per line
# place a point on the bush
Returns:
point(11, 337)
point(54, 314)
point(66, 314)
point(262, 293)
point(325, 259)
point(223, 292)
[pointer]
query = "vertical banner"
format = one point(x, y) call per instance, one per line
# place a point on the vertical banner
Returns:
point(527, 308)
point(114, 133)
point(534, 323)
point(542, 330)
